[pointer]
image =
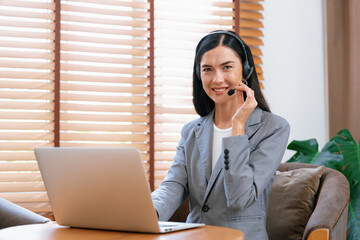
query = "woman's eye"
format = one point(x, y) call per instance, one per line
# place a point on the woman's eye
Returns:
point(227, 67)
point(206, 69)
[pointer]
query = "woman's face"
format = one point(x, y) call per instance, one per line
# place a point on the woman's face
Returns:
point(221, 70)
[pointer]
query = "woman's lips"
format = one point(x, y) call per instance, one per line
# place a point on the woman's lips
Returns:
point(220, 90)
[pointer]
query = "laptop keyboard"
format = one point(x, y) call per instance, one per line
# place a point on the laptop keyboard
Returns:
point(168, 225)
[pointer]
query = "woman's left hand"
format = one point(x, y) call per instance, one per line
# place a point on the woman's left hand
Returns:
point(244, 109)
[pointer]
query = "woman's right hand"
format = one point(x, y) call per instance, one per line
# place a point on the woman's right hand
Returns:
point(244, 108)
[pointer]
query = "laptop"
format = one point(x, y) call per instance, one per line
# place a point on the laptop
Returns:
point(101, 188)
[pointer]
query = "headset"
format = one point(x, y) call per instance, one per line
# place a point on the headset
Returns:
point(247, 69)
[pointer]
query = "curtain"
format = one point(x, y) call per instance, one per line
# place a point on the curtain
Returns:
point(343, 54)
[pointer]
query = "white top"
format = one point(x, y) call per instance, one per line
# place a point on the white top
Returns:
point(218, 135)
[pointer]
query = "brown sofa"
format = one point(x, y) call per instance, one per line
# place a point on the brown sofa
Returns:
point(329, 217)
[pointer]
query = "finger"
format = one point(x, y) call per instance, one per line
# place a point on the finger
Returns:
point(240, 95)
point(244, 88)
point(249, 92)
point(241, 87)
point(250, 101)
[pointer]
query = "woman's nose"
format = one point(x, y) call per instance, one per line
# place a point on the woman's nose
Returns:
point(219, 77)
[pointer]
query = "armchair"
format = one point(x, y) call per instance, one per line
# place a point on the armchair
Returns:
point(329, 217)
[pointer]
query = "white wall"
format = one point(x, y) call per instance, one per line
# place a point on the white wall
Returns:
point(294, 66)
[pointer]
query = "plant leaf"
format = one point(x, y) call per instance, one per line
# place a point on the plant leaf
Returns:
point(351, 169)
point(307, 152)
point(351, 153)
point(353, 226)
point(305, 147)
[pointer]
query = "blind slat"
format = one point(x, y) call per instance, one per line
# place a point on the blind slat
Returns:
point(66, 56)
point(23, 146)
point(17, 33)
point(103, 78)
point(173, 119)
point(26, 126)
point(109, 50)
point(39, 207)
point(33, 55)
point(169, 128)
point(25, 197)
point(25, 105)
point(251, 15)
point(113, 3)
point(251, 6)
point(253, 41)
point(90, 38)
point(104, 108)
point(26, 135)
point(104, 127)
point(103, 30)
point(28, 4)
point(141, 147)
point(26, 75)
point(104, 118)
point(103, 69)
point(21, 186)
point(16, 156)
point(109, 12)
point(18, 94)
point(26, 14)
point(178, 110)
point(104, 137)
point(97, 98)
point(131, 23)
point(30, 45)
point(26, 23)
point(26, 64)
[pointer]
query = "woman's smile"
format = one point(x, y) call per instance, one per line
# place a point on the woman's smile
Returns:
point(220, 90)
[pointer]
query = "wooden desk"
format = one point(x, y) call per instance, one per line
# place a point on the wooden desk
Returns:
point(52, 231)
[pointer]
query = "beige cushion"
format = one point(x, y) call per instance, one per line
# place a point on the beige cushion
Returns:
point(291, 202)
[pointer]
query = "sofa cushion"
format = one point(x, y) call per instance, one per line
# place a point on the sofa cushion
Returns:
point(291, 202)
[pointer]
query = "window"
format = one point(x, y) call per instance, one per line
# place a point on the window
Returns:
point(85, 80)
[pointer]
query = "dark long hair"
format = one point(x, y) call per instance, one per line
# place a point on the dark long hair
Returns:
point(202, 103)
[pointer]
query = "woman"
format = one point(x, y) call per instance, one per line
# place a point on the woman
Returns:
point(226, 160)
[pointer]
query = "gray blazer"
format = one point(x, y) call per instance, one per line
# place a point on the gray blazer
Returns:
point(235, 193)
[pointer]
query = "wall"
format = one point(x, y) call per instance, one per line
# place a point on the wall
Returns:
point(294, 66)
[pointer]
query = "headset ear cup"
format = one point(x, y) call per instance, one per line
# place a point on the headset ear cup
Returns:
point(248, 72)
point(246, 69)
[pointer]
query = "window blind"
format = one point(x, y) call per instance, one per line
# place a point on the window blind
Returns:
point(105, 61)
point(250, 29)
point(26, 95)
point(104, 74)
point(178, 28)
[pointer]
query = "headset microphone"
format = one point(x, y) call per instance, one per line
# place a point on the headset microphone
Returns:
point(231, 92)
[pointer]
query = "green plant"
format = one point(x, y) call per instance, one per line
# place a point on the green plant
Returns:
point(341, 153)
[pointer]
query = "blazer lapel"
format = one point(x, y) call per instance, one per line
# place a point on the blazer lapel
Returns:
point(204, 135)
point(253, 123)
point(214, 175)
